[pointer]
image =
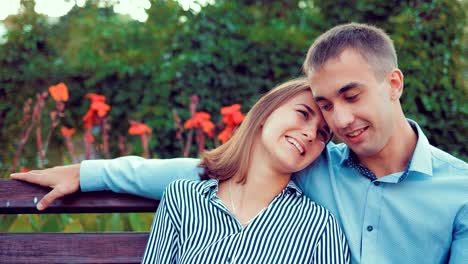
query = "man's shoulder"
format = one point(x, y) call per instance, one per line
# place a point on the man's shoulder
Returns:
point(333, 154)
point(442, 160)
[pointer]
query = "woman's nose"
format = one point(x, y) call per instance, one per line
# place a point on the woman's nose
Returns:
point(309, 134)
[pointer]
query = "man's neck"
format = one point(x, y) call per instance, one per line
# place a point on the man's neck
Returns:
point(396, 156)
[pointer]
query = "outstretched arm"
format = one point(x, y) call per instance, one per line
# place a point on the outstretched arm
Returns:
point(135, 175)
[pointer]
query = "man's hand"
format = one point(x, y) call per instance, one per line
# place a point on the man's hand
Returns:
point(63, 179)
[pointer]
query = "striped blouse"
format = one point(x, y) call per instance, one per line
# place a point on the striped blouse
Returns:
point(192, 225)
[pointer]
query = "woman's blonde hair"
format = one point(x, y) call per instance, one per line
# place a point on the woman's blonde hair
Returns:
point(233, 157)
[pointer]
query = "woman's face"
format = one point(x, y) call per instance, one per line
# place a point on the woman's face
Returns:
point(294, 134)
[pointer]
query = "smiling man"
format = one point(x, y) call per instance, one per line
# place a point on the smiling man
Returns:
point(398, 198)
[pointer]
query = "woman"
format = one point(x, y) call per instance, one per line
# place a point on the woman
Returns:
point(247, 209)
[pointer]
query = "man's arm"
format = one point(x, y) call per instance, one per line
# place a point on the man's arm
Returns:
point(459, 248)
point(135, 175)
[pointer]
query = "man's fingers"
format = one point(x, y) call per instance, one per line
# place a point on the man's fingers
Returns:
point(32, 177)
point(18, 176)
point(49, 198)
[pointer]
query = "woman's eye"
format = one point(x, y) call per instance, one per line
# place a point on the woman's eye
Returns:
point(305, 114)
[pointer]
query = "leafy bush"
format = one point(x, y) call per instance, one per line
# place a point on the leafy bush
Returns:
point(229, 52)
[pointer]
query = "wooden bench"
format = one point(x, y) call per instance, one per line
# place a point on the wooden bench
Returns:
point(116, 247)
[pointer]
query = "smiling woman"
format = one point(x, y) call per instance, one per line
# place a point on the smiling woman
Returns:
point(225, 217)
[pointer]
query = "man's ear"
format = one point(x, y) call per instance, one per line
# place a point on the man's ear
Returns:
point(395, 80)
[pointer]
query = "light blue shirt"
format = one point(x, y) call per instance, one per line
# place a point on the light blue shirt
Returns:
point(416, 216)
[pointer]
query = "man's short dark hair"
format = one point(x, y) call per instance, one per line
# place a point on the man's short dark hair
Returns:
point(372, 43)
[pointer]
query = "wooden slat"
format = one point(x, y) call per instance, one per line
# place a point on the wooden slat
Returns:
point(18, 197)
point(72, 247)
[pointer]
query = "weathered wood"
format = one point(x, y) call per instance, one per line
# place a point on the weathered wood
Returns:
point(18, 197)
point(72, 247)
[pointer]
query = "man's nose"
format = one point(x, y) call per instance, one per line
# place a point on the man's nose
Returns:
point(342, 116)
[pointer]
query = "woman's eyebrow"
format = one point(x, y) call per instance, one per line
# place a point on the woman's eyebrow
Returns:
point(309, 109)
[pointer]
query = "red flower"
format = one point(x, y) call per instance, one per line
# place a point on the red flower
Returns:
point(98, 109)
point(142, 130)
point(23, 169)
point(59, 92)
point(96, 97)
point(101, 108)
point(67, 132)
point(89, 119)
point(89, 138)
point(138, 129)
point(225, 134)
point(227, 110)
point(232, 117)
point(201, 120)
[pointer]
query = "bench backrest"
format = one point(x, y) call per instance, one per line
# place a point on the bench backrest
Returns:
point(117, 247)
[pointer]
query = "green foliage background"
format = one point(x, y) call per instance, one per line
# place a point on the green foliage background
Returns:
point(228, 52)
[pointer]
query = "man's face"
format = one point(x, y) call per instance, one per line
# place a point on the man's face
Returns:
point(358, 108)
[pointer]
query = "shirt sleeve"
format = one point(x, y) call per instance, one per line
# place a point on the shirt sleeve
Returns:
point(162, 243)
point(332, 246)
point(136, 175)
point(459, 247)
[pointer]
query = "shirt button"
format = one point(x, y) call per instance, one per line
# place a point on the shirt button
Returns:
point(376, 183)
point(370, 228)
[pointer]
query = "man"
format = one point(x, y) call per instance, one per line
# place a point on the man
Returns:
point(398, 199)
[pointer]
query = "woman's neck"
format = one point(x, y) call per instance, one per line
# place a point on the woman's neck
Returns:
point(247, 199)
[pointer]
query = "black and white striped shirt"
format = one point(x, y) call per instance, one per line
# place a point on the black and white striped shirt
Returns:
point(192, 225)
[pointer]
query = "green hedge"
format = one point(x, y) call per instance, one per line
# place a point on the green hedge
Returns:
point(229, 52)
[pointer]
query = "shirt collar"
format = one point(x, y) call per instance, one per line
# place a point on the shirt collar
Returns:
point(421, 160)
point(293, 188)
point(418, 162)
point(210, 188)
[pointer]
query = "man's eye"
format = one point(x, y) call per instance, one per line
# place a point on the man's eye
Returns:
point(324, 135)
point(352, 97)
point(325, 107)
point(305, 114)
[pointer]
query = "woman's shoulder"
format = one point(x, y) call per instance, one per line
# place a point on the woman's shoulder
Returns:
point(185, 187)
point(318, 213)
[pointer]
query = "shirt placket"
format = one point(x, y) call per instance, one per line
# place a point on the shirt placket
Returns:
point(240, 244)
point(239, 235)
point(370, 225)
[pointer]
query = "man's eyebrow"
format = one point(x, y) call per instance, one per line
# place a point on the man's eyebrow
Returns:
point(310, 110)
point(342, 90)
point(348, 87)
point(319, 98)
